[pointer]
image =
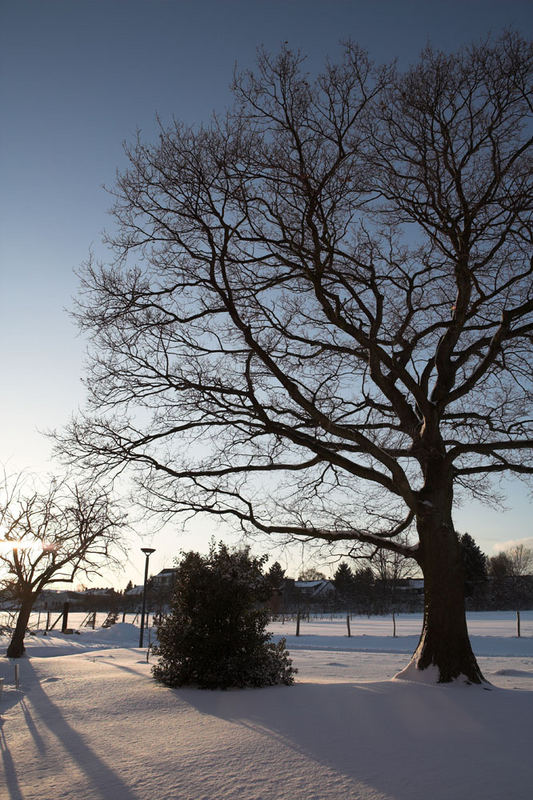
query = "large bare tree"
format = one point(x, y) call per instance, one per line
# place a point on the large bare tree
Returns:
point(51, 535)
point(319, 314)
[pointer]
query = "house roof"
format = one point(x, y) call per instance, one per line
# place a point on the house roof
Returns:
point(315, 587)
point(135, 590)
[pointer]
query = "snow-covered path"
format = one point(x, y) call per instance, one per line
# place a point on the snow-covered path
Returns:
point(89, 723)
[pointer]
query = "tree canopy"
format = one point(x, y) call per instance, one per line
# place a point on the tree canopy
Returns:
point(318, 318)
point(53, 534)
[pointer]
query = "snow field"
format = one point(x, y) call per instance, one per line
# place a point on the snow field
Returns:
point(89, 722)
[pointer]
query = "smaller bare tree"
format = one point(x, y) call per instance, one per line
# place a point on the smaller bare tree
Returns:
point(390, 569)
point(509, 570)
point(311, 574)
point(520, 560)
point(514, 562)
point(52, 535)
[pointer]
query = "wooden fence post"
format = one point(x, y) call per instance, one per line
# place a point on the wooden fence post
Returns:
point(298, 624)
point(64, 623)
point(348, 625)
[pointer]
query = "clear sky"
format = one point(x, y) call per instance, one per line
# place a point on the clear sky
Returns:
point(78, 77)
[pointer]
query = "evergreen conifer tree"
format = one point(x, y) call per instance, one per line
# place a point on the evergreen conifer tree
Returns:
point(474, 565)
point(344, 582)
point(364, 586)
point(275, 576)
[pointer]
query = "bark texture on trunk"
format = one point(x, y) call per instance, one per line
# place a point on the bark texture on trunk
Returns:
point(444, 642)
point(16, 646)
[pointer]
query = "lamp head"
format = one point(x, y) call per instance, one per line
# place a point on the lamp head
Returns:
point(148, 550)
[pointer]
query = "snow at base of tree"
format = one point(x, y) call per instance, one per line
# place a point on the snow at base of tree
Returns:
point(429, 676)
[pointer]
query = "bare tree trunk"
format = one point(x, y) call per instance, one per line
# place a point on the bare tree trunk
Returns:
point(16, 646)
point(444, 642)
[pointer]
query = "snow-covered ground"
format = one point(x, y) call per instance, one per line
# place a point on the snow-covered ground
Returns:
point(88, 722)
point(491, 634)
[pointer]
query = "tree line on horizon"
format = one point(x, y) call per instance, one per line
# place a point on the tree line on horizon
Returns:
point(500, 582)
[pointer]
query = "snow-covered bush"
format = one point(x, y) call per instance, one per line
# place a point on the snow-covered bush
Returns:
point(215, 635)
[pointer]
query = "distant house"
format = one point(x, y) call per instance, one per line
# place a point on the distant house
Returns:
point(414, 585)
point(315, 590)
point(135, 590)
point(54, 598)
point(164, 578)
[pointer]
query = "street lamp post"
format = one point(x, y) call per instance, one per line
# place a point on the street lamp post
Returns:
point(147, 552)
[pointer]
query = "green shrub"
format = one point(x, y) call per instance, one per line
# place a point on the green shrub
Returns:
point(215, 635)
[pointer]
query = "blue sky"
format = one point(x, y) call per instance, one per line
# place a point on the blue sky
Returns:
point(77, 78)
